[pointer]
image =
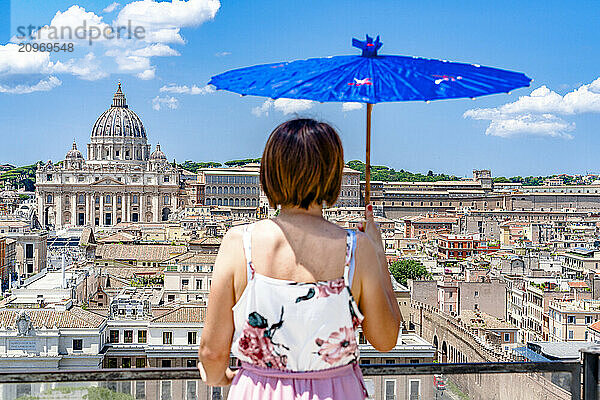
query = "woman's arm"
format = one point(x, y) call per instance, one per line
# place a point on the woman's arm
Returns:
point(215, 343)
point(376, 300)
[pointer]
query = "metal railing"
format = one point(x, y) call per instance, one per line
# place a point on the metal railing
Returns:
point(590, 371)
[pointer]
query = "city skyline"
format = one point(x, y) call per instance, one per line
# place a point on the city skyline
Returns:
point(165, 82)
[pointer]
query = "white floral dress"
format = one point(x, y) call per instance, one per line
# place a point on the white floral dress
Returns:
point(294, 326)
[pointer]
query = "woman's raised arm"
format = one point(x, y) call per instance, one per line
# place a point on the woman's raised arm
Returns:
point(376, 294)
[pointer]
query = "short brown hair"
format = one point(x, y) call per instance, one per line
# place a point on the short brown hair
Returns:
point(302, 164)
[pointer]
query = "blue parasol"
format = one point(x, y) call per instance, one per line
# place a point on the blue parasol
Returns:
point(369, 78)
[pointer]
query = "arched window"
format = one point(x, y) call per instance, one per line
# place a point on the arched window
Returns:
point(81, 199)
point(242, 190)
point(107, 198)
point(253, 202)
point(225, 202)
point(220, 190)
point(237, 202)
point(220, 202)
point(237, 190)
point(243, 202)
point(49, 198)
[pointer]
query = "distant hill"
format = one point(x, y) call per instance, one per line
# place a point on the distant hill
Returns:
point(387, 174)
point(19, 176)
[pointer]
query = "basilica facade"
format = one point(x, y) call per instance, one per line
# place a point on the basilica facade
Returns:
point(119, 181)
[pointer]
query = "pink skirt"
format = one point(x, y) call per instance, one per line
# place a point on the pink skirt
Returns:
point(258, 383)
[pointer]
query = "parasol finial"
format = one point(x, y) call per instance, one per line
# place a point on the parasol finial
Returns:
point(369, 47)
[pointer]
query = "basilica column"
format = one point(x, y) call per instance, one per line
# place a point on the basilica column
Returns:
point(87, 220)
point(58, 219)
point(41, 201)
point(114, 209)
point(101, 209)
point(123, 207)
point(155, 198)
point(73, 209)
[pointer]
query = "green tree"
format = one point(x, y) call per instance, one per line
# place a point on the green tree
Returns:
point(402, 270)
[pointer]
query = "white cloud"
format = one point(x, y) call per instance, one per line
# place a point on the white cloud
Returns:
point(75, 25)
point(155, 50)
point(286, 106)
point(111, 7)
point(147, 74)
point(87, 67)
point(42, 86)
point(536, 113)
point(184, 89)
point(13, 62)
point(163, 20)
point(170, 102)
point(351, 106)
point(222, 53)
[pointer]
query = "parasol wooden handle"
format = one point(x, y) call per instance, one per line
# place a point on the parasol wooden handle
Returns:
point(368, 157)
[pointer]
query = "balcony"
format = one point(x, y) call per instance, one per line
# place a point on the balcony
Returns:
point(506, 380)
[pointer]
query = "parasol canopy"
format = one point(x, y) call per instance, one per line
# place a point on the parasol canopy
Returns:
point(369, 78)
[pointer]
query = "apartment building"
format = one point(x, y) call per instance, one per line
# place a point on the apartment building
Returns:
point(578, 262)
point(188, 277)
point(569, 319)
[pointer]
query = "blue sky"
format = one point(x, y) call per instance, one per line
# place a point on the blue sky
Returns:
point(47, 102)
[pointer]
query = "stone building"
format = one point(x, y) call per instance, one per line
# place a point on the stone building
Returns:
point(350, 191)
point(237, 188)
point(119, 181)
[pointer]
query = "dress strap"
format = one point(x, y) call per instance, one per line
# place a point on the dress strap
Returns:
point(349, 265)
point(247, 239)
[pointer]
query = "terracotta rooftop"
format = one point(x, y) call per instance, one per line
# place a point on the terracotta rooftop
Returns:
point(188, 314)
point(595, 326)
point(49, 318)
point(147, 252)
point(577, 284)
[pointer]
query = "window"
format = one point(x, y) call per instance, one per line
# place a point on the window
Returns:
point(570, 334)
point(165, 363)
point(126, 362)
point(185, 283)
point(114, 336)
point(167, 337)
point(370, 386)
point(191, 363)
point(390, 361)
point(506, 337)
point(414, 389)
point(165, 389)
point(81, 199)
point(49, 177)
point(111, 363)
point(588, 319)
point(49, 198)
point(390, 390)
point(192, 337)
point(570, 319)
point(166, 179)
point(141, 336)
point(476, 293)
point(134, 199)
point(217, 393)
point(191, 390)
point(29, 250)
point(128, 336)
point(77, 344)
point(140, 363)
